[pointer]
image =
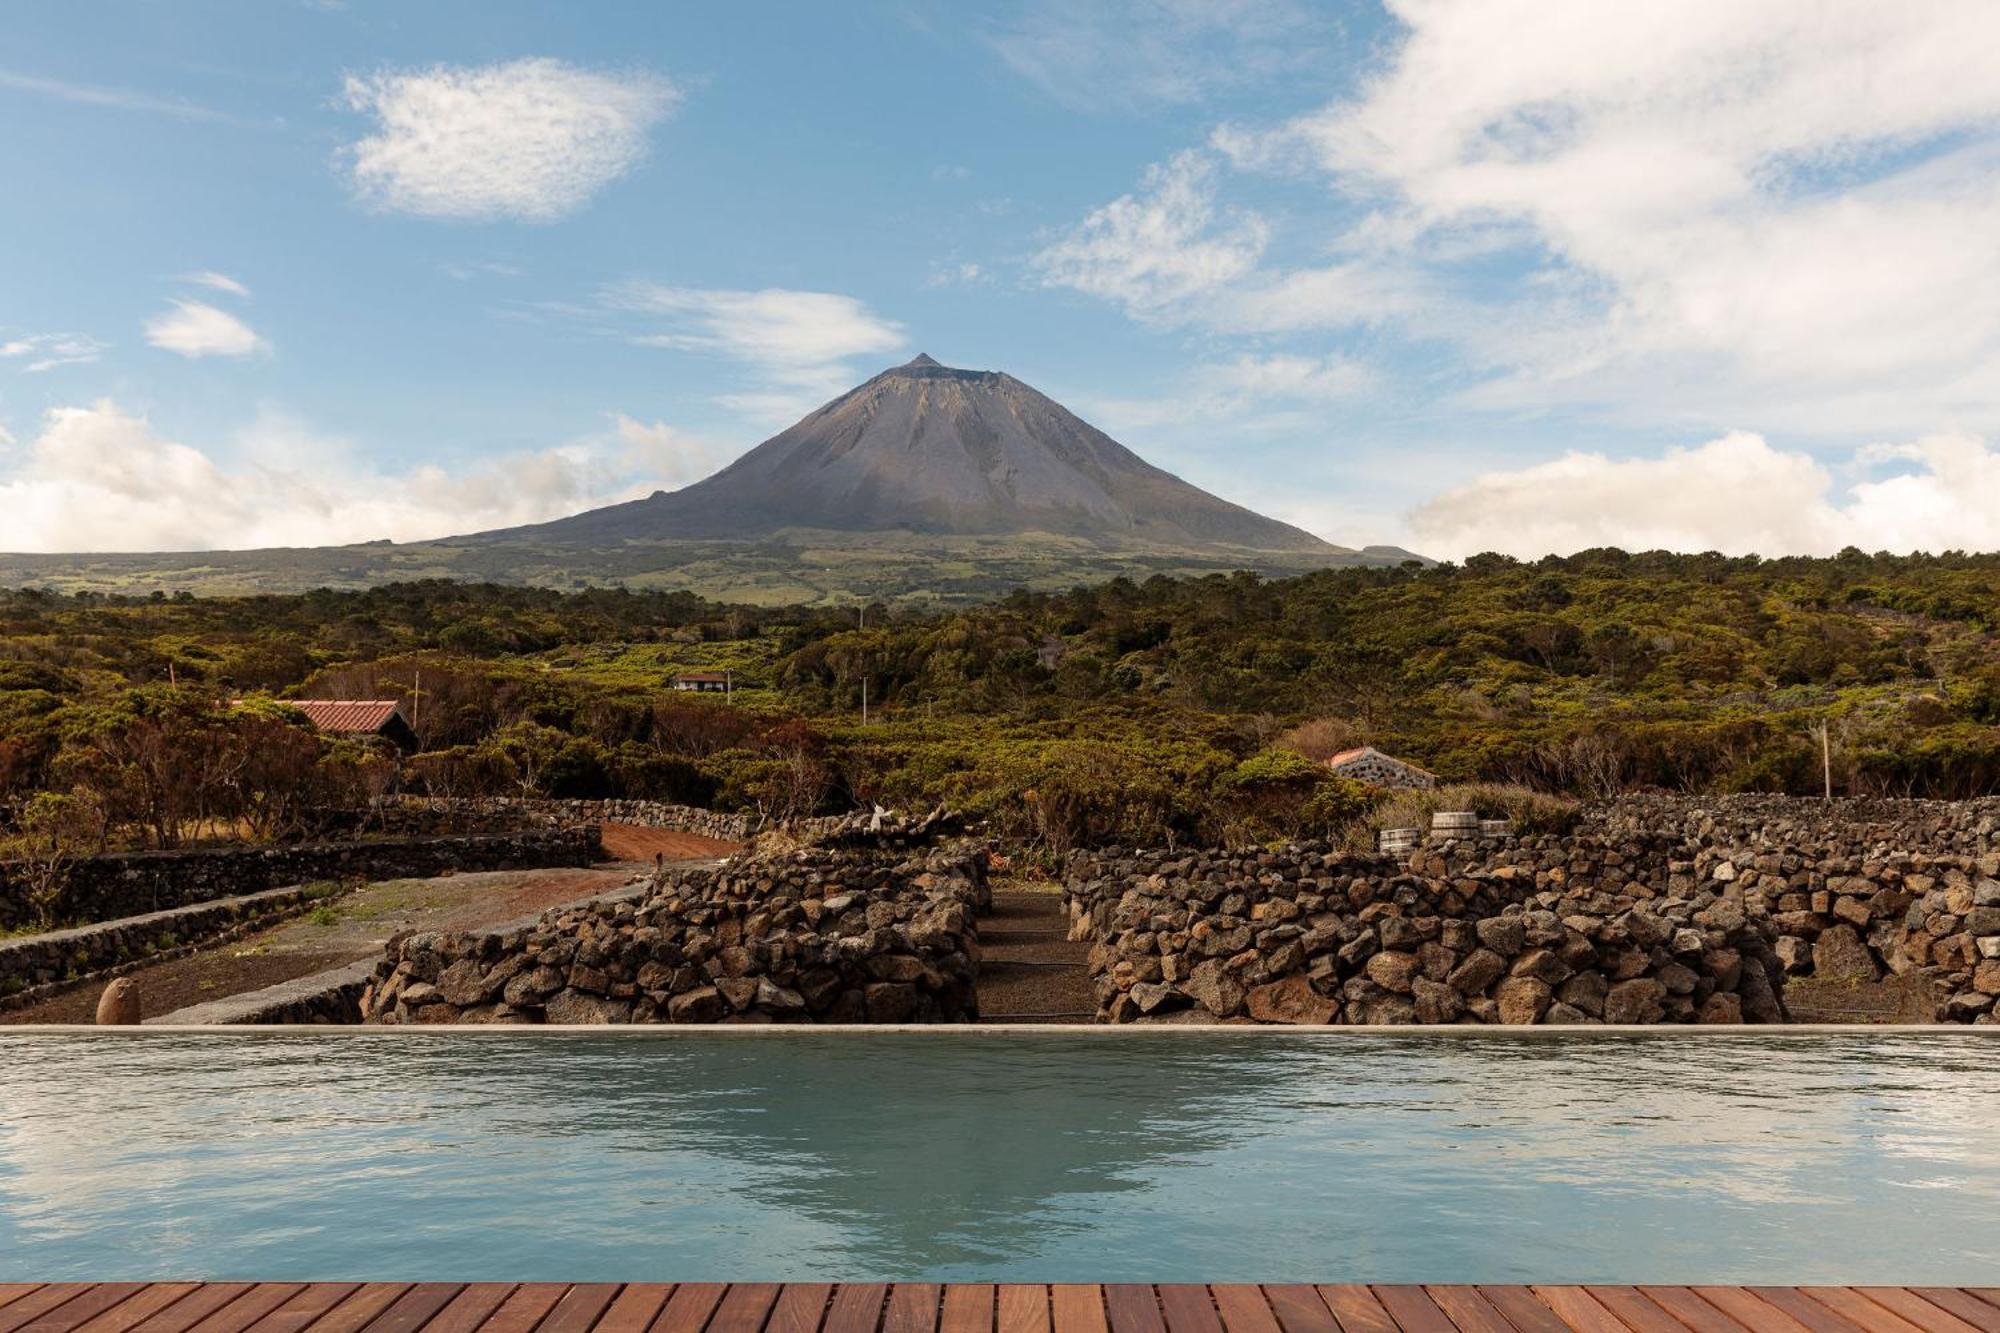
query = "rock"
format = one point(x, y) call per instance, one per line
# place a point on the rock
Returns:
point(704, 1004)
point(890, 1001)
point(1522, 1000)
point(464, 984)
point(1721, 1007)
point(120, 1004)
point(580, 1007)
point(1985, 980)
point(1291, 1000)
point(1504, 935)
point(1794, 954)
point(1148, 997)
point(1480, 969)
point(1839, 954)
point(1566, 1014)
point(1393, 970)
point(1212, 987)
point(1436, 1001)
point(1542, 965)
point(1640, 1000)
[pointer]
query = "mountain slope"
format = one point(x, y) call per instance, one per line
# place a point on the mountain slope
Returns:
point(925, 448)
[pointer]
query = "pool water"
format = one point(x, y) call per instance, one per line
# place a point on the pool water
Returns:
point(1827, 1158)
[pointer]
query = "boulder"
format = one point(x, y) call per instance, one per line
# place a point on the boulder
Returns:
point(1522, 1000)
point(1640, 1000)
point(120, 1005)
point(1291, 1000)
point(1839, 954)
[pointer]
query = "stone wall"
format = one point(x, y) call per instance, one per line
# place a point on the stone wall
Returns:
point(1854, 890)
point(1833, 891)
point(1546, 930)
point(514, 811)
point(105, 888)
point(815, 937)
point(34, 967)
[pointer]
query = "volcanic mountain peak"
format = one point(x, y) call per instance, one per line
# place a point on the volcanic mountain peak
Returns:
point(924, 447)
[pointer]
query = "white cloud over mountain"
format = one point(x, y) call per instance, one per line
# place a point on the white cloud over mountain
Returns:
point(531, 140)
point(197, 329)
point(1735, 494)
point(797, 346)
point(100, 478)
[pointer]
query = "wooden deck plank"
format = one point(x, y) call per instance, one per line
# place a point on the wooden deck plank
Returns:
point(1469, 1311)
point(94, 1300)
point(637, 1306)
point(1133, 1307)
point(415, 1307)
point(968, 1308)
point(1804, 1309)
point(471, 1308)
point(1630, 1307)
point(1076, 1307)
point(1022, 1307)
point(1915, 1311)
point(197, 1305)
point(1694, 1313)
point(312, 1302)
point(688, 1309)
point(1523, 1311)
point(1413, 1309)
point(576, 1312)
point(1575, 1307)
point(1863, 1312)
point(251, 1306)
point(744, 1308)
point(1187, 1307)
point(1299, 1309)
point(126, 1315)
point(856, 1308)
point(913, 1308)
point(1962, 1304)
point(524, 1308)
point(801, 1308)
point(14, 1291)
point(1749, 1310)
point(1242, 1307)
point(1355, 1306)
point(42, 1300)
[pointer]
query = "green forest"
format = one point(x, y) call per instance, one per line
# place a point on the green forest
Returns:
point(1169, 709)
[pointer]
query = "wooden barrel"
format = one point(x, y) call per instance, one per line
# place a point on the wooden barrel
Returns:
point(1455, 824)
point(1399, 841)
point(1496, 828)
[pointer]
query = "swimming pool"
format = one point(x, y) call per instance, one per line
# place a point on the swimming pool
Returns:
point(1658, 1158)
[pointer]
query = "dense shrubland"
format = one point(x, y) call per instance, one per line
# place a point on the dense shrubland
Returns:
point(1168, 710)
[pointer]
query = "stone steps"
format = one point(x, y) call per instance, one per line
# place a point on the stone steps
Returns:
point(1029, 970)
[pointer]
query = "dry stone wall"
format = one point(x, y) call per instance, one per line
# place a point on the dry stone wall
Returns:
point(1550, 930)
point(1854, 890)
point(815, 937)
point(105, 888)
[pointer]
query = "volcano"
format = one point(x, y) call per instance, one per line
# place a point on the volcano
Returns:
point(929, 449)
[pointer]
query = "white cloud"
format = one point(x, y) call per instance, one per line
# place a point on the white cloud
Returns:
point(1735, 494)
point(531, 140)
point(220, 282)
point(197, 329)
point(797, 345)
point(99, 478)
point(1132, 54)
point(118, 99)
point(1279, 390)
point(1752, 204)
point(1160, 246)
point(46, 351)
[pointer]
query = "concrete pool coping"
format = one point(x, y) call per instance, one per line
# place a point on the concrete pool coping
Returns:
point(1103, 1031)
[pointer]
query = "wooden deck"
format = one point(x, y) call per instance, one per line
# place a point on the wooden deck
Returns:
point(709, 1307)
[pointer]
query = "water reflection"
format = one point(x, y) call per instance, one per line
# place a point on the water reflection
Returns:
point(1613, 1159)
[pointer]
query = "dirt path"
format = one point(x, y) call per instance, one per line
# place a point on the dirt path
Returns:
point(1029, 971)
point(357, 925)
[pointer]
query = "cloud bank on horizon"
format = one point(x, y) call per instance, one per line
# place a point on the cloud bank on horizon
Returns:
point(1463, 275)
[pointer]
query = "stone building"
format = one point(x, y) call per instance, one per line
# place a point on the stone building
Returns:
point(1367, 764)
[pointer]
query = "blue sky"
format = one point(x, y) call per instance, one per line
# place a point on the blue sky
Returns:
point(1456, 275)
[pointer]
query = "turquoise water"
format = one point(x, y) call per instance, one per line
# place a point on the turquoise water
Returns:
point(1868, 1159)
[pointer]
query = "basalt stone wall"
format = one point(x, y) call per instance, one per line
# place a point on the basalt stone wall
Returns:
point(1855, 890)
point(104, 888)
point(34, 967)
point(513, 811)
point(815, 937)
point(1546, 930)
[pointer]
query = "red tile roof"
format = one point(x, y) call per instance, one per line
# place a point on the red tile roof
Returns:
point(1359, 750)
point(347, 716)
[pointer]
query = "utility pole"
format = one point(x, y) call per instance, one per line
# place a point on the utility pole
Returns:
point(1826, 757)
point(417, 704)
point(864, 701)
